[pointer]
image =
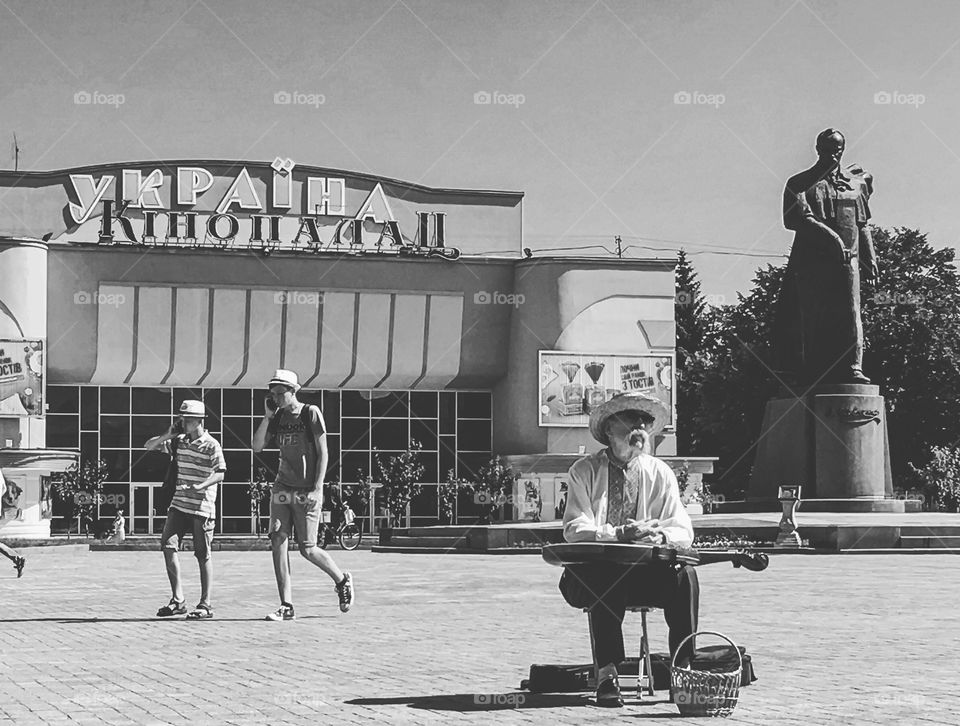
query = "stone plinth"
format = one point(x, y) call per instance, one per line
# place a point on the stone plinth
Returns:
point(832, 440)
point(25, 469)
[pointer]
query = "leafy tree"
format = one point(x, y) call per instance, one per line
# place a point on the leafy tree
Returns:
point(80, 488)
point(257, 490)
point(493, 484)
point(447, 495)
point(689, 313)
point(400, 480)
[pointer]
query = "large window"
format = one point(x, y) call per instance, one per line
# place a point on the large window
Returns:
point(113, 423)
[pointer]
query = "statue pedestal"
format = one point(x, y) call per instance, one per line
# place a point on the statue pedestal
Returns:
point(832, 440)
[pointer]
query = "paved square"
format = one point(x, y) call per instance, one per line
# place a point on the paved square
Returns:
point(856, 639)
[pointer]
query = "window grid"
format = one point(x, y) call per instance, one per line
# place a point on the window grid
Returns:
point(441, 451)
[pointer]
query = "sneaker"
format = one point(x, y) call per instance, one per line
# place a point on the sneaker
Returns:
point(345, 592)
point(19, 563)
point(284, 612)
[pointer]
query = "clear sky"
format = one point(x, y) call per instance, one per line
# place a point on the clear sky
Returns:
point(586, 122)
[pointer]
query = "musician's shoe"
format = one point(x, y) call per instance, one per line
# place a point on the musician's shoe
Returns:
point(608, 693)
point(19, 563)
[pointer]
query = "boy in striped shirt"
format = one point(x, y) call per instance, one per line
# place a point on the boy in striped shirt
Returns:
point(200, 468)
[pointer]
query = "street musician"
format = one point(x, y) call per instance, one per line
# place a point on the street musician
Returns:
point(624, 494)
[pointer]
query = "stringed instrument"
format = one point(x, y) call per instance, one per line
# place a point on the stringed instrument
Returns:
point(587, 553)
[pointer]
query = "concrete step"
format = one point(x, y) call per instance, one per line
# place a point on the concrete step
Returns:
point(432, 541)
point(455, 550)
point(911, 530)
point(944, 542)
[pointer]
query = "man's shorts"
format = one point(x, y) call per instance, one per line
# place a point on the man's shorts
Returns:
point(179, 523)
point(295, 512)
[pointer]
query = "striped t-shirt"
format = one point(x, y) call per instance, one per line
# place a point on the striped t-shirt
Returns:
point(196, 461)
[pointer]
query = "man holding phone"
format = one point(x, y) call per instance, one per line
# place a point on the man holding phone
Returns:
point(624, 494)
point(297, 494)
point(200, 468)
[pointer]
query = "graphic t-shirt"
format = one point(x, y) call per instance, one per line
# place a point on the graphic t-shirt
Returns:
point(298, 455)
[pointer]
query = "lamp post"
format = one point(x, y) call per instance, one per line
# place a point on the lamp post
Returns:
point(789, 499)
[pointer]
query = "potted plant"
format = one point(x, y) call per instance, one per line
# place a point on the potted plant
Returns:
point(400, 480)
point(80, 488)
point(257, 490)
point(493, 485)
point(447, 493)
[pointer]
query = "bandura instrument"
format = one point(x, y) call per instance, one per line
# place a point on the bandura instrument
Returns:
point(587, 553)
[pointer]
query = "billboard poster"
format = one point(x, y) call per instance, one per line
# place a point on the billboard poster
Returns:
point(21, 377)
point(572, 384)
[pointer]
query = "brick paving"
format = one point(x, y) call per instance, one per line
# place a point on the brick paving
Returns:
point(835, 639)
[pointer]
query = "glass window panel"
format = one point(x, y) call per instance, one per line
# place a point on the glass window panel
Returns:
point(425, 432)
point(390, 434)
point(333, 454)
point(146, 427)
point(237, 402)
point(63, 431)
point(236, 525)
point(63, 399)
point(311, 398)
point(353, 404)
point(211, 399)
point(259, 395)
point(355, 434)
point(468, 465)
point(423, 404)
point(238, 466)
point(148, 466)
point(115, 432)
point(236, 432)
point(352, 461)
point(331, 410)
point(89, 407)
point(118, 464)
point(473, 404)
point(448, 412)
point(114, 399)
point(152, 400)
point(425, 505)
point(430, 470)
point(235, 501)
point(89, 449)
point(448, 456)
point(393, 405)
point(473, 435)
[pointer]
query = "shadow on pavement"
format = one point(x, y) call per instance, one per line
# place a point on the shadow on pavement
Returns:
point(73, 621)
point(464, 702)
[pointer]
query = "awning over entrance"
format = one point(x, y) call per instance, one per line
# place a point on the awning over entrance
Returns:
point(220, 337)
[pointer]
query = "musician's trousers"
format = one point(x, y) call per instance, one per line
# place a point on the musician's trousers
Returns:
point(608, 589)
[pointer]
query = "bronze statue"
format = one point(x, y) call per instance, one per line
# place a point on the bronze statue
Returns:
point(818, 335)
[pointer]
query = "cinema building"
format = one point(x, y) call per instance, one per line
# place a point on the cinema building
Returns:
point(409, 313)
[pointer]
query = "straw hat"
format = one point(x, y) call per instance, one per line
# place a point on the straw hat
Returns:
point(284, 377)
point(193, 408)
point(638, 402)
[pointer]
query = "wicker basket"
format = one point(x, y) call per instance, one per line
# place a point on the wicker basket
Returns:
point(705, 693)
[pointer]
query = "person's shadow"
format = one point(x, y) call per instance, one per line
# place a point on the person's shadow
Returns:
point(518, 700)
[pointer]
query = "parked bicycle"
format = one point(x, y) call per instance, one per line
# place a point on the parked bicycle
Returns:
point(348, 531)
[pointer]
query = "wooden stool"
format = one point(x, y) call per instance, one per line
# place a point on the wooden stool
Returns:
point(644, 665)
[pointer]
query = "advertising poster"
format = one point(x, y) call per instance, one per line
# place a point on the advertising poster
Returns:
point(572, 384)
point(21, 377)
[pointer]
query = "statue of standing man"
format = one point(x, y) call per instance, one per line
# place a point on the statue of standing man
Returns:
point(818, 334)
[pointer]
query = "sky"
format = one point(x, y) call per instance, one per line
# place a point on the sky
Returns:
point(671, 124)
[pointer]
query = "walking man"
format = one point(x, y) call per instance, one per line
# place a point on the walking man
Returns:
point(297, 493)
point(19, 562)
point(200, 467)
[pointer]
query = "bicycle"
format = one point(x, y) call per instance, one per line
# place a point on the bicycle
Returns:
point(349, 533)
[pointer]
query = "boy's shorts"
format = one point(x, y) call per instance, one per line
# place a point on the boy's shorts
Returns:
point(179, 523)
point(295, 512)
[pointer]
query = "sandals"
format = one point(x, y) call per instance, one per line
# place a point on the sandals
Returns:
point(174, 607)
point(200, 612)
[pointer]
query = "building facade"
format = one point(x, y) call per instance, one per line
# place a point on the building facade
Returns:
point(410, 313)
